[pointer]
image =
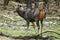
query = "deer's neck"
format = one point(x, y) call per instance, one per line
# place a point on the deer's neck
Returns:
point(21, 13)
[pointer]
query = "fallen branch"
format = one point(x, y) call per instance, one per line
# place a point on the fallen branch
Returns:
point(20, 37)
point(31, 37)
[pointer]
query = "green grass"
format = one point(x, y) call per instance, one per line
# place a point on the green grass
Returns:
point(18, 32)
point(9, 31)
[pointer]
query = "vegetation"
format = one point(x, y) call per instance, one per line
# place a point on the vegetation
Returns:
point(12, 24)
point(7, 28)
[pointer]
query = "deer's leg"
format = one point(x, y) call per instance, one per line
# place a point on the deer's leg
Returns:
point(27, 22)
point(41, 27)
point(37, 23)
point(33, 26)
